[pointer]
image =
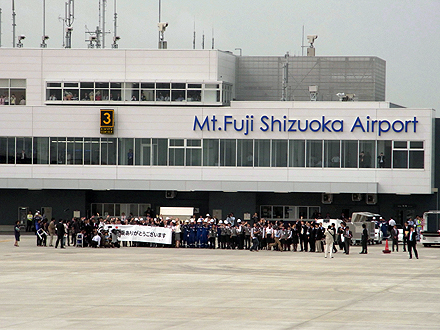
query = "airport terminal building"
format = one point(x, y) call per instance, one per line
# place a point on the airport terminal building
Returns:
point(109, 131)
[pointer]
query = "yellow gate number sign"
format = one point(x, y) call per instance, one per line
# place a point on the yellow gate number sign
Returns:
point(107, 121)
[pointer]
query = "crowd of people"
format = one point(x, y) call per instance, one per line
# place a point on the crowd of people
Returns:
point(210, 233)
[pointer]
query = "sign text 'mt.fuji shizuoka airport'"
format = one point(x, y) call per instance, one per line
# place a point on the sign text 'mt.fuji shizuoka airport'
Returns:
point(266, 123)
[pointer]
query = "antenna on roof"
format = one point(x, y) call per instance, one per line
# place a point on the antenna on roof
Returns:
point(68, 22)
point(44, 36)
point(203, 40)
point(13, 23)
point(0, 27)
point(212, 42)
point(115, 35)
point(194, 34)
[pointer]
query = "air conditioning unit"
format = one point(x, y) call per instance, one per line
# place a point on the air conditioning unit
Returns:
point(327, 198)
point(170, 194)
point(371, 199)
point(356, 197)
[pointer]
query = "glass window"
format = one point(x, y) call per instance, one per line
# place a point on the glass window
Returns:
point(366, 154)
point(91, 151)
point(279, 153)
point(314, 153)
point(332, 156)
point(400, 144)
point(416, 144)
point(210, 96)
point(245, 153)
point(194, 85)
point(178, 85)
point(384, 154)
point(18, 83)
point(11, 150)
point(194, 95)
point(163, 85)
point(262, 153)
point(18, 96)
point(147, 85)
point(400, 159)
point(266, 211)
point(297, 153)
point(4, 96)
point(75, 150)
point(177, 142)
point(3, 150)
point(278, 212)
point(24, 150)
point(194, 143)
point(193, 157)
point(126, 151)
point(210, 152)
point(176, 156)
point(143, 152)
point(228, 152)
point(58, 150)
point(416, 159)
point(349, 154)
point(160, 151)
point(108, 151)
point(41, 150)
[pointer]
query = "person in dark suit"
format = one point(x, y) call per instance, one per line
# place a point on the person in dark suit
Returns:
point(412, 242)
point(60, 234)
point(347, 239)
point(395, 238)
point(364, 239)
point(405, 236)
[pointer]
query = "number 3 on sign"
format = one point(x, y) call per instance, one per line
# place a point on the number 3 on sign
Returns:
point(107, 117)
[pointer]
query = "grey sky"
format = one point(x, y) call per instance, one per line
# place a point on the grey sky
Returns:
point(404, 33)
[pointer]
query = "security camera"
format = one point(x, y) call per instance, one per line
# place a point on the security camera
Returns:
point(162, 26)
point(22, 37)
point(116, 38)
point(92, 38)
point(311, 39)
point(45, 37)
point(69, 29)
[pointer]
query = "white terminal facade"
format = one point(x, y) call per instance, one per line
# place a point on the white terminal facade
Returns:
point(181, 139)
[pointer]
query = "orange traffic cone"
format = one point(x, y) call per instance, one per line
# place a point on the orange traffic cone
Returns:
point(387, 250)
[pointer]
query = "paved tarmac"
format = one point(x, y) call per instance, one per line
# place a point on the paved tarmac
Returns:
point(161, 288)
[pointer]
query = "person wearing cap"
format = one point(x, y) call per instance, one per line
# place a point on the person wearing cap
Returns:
point(204, 238)
point(199, 227)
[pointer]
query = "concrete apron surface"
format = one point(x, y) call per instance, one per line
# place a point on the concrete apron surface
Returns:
point(163, 288)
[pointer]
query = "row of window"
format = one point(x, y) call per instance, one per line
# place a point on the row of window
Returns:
point(139, 91)
point(288, 212)
point(212, 152)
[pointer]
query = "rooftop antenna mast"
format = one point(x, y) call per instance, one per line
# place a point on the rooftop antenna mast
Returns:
point(115, 35)
point(44, 36)
point(68, 21)
point(13, 23)
point(162, 44)
point(285, 77)
point(104, 4)
point(0, 27)
point(203, 40)
point(212, 41)
point(194, 34)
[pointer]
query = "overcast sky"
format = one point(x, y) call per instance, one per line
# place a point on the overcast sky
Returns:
point(404, 33)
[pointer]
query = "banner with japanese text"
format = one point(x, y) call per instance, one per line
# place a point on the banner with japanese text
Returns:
point(147, 234)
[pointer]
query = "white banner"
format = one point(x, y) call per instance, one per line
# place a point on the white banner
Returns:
point(143, 234)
